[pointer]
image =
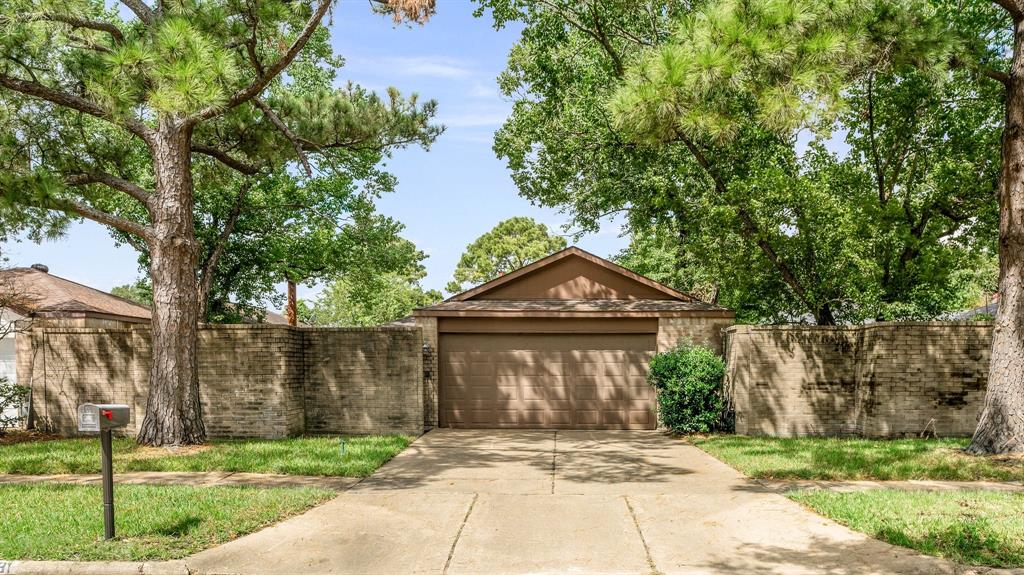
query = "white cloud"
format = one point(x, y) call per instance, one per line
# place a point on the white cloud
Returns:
point(430, 66)
point(483, 91)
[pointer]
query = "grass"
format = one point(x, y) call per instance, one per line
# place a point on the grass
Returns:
point(65, 522)
point(850, 459)
point(972, 527)
point(295, 456)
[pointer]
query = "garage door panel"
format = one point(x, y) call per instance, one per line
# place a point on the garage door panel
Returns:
point(613, 417)
point(587, 417)
point(590, 381)
point(643, 417)
point(454, 368)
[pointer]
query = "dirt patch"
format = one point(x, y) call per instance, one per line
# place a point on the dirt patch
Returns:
point(12, 436)
point(1009, 459)
point(143, 452)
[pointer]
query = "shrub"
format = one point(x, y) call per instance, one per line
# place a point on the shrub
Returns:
point(11, 396)
point(689, 384)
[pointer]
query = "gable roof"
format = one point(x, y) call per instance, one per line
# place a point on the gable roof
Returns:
point(571, 251)
point(42, 293)
point(573, 283)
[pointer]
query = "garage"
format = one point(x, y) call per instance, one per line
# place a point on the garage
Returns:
point(563, 343)
point(579, 381)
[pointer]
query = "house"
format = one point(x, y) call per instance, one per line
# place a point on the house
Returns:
point(561, 343)
point(31, 295)
point(986, 312)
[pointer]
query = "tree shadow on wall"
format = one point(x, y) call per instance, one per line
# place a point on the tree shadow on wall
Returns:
point(876, 380)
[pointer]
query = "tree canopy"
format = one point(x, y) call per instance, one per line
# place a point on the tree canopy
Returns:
point(720, 133)
point(153, 117)
point(369, 299)
point(510, 245)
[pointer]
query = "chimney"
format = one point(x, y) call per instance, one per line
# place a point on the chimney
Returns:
point(41, 268)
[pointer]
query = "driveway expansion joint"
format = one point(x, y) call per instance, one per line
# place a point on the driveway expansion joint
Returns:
point(643, 540)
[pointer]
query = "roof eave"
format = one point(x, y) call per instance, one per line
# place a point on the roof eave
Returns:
point(723, 313)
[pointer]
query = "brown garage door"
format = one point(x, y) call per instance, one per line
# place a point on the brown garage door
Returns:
point(579, 381)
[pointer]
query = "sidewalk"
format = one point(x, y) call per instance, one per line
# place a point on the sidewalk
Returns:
point(192, 478)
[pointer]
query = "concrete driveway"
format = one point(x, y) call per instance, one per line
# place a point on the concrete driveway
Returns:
point(504, 502)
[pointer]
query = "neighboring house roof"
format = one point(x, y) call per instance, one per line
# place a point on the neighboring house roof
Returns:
point(572, 283)
point(44, 294)
point(988, 309)
point(276, 318)
point(407, 321)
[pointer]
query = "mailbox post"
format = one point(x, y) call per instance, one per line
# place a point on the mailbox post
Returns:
point(103, 418)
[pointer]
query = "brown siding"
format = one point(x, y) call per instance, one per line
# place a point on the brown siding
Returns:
point(573, 278)
point(547, 325)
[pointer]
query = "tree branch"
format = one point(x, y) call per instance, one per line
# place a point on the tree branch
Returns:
point(141, 10)
point(575, 21)
point(107, 27)
point(276, 120)
point(262, 80)
point(1011, 6)
point(750, 228)
point(133, 190)
point(226, 159)
point(75, 103)
point(999, 76)
point(210, 263)
point(104, 218)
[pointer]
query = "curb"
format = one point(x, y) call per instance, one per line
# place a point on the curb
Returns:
point(92, 568)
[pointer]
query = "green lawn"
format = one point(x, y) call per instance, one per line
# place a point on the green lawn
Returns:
point(972, 527)
point(830, 458)
point(65, 522)
point(296, 456)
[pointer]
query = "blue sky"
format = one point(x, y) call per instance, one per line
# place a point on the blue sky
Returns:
point(446, 197)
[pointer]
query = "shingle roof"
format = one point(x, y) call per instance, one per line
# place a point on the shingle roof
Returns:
point(573, 306)
point(47, 294)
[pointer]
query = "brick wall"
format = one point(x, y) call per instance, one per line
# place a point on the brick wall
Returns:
point(878, 380)
point(255, 380)
point(430, 367)
point(365, 380)
point(697, 330)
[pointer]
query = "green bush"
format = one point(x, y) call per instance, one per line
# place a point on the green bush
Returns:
point(689, 383)
point(11, 396)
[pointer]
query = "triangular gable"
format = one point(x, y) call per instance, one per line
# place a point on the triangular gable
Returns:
point(572, 274)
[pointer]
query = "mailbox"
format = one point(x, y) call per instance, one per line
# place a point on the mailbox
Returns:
point(101, 418)
point(97, 417)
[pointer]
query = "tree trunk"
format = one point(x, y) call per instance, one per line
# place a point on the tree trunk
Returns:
point(173, 415)
point(292, 311)
point(1001, 427)
point(824, 316)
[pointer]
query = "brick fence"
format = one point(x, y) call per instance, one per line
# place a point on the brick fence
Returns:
point(877, 380)
point(255, 380)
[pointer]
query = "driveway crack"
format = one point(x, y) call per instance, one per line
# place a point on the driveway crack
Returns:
point(458, 534)
point(643, 541)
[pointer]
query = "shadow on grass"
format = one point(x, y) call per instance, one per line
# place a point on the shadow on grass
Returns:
point(179, 528)
point(839, 459)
